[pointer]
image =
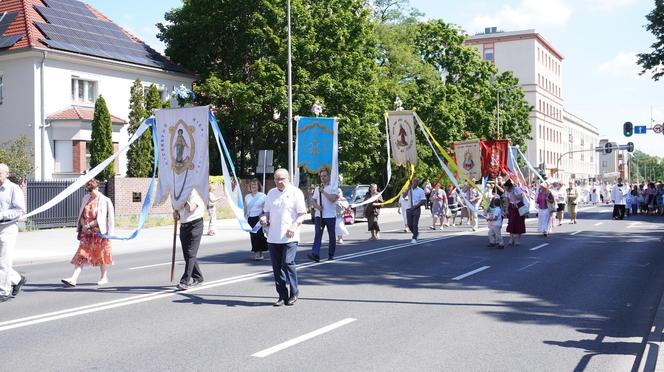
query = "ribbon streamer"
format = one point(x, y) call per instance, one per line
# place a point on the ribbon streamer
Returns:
point(429, 138)
point(238, 206)
point(145, 209)
point(404, 188)
point(83, 179)
point(389, 169)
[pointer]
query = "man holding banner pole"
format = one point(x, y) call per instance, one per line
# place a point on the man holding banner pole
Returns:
point(324, 201)
point(190, 216)
point(417, 200)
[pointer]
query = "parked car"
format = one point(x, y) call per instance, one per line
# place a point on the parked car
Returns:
point(355, 194)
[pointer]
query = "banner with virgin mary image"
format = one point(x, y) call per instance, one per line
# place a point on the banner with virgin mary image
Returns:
point(468, 155)
point(401, 125)
point(182, 141)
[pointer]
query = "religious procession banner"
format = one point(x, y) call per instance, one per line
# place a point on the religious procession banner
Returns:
point(495, 157)
point(401, 126)
point(468, 155)
point(182, 140)
point(316, 147)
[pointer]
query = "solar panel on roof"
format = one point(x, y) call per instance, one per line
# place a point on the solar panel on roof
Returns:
point(78, 31)
point(8, 41)
point(6, 19)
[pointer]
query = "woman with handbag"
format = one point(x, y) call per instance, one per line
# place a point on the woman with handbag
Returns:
point(516, 212)
point(95, 216)
point(546, 204)
point(253, 210)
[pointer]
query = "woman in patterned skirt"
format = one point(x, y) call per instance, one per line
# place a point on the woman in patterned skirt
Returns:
point(95, 216)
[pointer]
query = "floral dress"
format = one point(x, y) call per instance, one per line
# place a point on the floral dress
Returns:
point(92, 249)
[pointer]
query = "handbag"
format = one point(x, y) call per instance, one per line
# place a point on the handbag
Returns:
point(552, 206)
point(524, 209)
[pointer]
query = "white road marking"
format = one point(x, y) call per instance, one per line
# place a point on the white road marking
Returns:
point(155, 265)
point(539, 246)
point(297, 340)
point(633, 224)
point(525, 267)
point(471, 273)
point(576, 232)
point(599, 223)
point(107, 305)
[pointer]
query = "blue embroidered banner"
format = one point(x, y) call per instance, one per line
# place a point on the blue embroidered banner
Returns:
point(315, 137)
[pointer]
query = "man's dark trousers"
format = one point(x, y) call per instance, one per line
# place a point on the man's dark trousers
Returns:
point(190, 239)
point(413, 220)
point(321, 224)
point(283, 268)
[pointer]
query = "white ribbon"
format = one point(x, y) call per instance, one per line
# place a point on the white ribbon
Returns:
point(83, 179)
point(389, 171)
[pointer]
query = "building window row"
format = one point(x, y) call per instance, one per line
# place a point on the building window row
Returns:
point(548, 85)
point(550, 134)
point(551, 63)
point(549, 110)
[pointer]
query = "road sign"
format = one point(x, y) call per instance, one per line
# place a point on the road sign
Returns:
point(265, 161)
point(640, 129)
point(657, 128)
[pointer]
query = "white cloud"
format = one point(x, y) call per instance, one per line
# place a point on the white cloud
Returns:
point(526, 15)
point(607, 5)
point(623, 65)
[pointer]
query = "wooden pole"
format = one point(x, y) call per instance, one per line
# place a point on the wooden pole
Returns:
point(175, 233)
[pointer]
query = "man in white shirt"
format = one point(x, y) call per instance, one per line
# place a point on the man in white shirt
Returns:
point(417, 200)
point(12, 207)
point(285, 210)
point(619, 198)
point(326, 216)
point(190, 215)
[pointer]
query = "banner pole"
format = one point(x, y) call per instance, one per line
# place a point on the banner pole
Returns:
point(175, 232)
point(264, 167)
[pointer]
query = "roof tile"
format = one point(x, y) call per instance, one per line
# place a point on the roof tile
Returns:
point(80, 113)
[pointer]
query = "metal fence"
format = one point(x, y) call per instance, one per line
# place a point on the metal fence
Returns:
point(65, 213)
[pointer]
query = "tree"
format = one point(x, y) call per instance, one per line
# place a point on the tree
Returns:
point(243, 73)
point(153, 100)
point(101, 144)
point(140, 159)
point(654, 60)
point(18, 155)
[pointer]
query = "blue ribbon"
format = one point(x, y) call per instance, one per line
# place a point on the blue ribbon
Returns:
point(148, 196)
point(244, 225)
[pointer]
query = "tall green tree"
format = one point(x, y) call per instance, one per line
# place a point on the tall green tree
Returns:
point(243, 71)
point(653, 61)
point(101, 144)
point(153, 100)
point(139, 157)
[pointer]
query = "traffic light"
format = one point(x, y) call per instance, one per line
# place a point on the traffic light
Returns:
point(628, 129)
point(608, 147)
point(630, 146)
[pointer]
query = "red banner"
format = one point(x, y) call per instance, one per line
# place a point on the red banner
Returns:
point(494, 157)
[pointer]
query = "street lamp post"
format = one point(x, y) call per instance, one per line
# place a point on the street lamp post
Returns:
point(290, 97)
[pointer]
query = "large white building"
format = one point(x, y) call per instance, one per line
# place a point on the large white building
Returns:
point(539, 68)
point(56, 58)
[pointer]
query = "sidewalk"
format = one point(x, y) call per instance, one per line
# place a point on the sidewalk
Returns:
point(60, 244)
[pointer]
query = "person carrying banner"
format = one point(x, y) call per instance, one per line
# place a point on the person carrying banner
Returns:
point(12, 206)
point(285, 210)
point(96, 215)
point(324, 201)
point(190, 216)
point(254, 202)
point(417, 200)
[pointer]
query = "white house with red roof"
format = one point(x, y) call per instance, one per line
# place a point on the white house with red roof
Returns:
point(56, 58)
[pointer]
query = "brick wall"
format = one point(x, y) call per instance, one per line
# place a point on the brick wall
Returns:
point(124, 192)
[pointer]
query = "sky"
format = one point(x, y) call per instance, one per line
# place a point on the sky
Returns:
point(599, 40)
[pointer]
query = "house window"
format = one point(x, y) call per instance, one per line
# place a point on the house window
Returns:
point(2, 90)
point(605, 164)
point(488, 54)
point(83, 91)
point(63, 156)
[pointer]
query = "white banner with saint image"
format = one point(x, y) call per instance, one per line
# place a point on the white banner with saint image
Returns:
point(402, 137)
point(182, 140)
point(469, 158)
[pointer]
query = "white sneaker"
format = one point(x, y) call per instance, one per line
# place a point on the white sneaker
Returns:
point(103, 281)
point(441, 228)
point(413, 241)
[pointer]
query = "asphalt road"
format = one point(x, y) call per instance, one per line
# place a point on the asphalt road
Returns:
point(582, 299)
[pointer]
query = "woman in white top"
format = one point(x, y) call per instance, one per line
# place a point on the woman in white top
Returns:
point(403, 206)
point(560, 196)
point(253, 210)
